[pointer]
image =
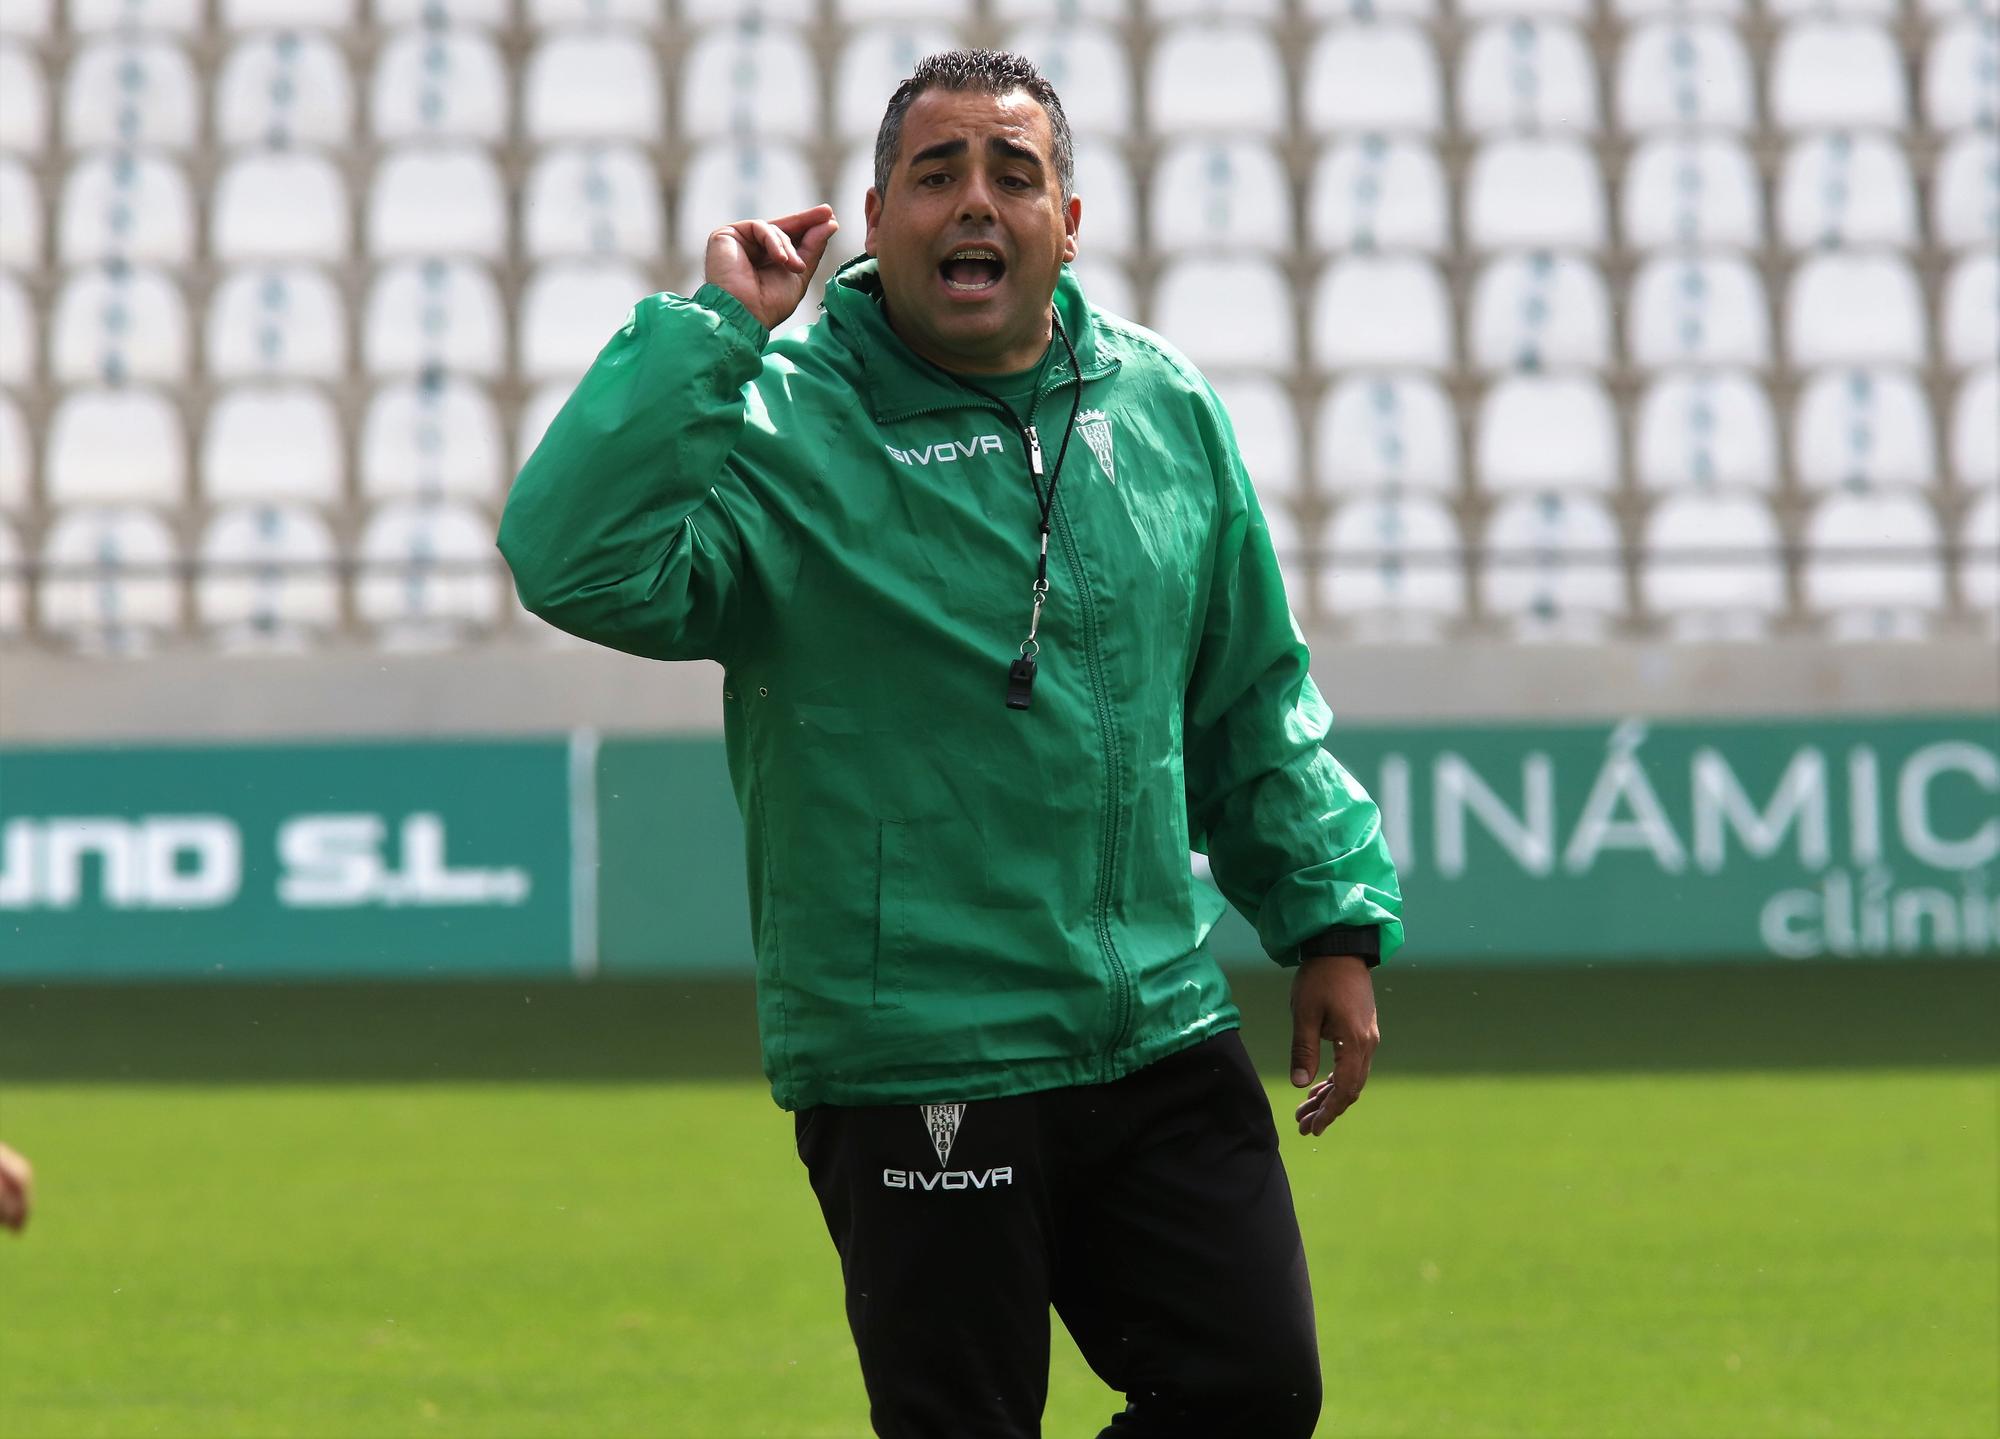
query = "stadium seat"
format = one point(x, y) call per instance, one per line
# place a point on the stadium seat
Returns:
point(1837, 74)
point(1684, 74)
point(1296, 547)
point(1216, 78)
point(592, 85)
point(730, 181)
point(561, 14)
point(18, 345)
point(1965, 193)
point(1979, 558)
point(1854, 309)
point(20, 217)
point(115, 323)
point(429, 573)
point(1531, 193)
point(873, 62)
point(122, 206)
point(1550, 567)
point(1526, 75)
point(276, 322)
point(1536, 311)
point(1507, 9)
point(288, 15)
point(24, 102)
point(593, 200)
point(272, 444)
point(1842, 189)
point(1395, 566)
point(442, 313)
point(1227, 313)
point(1852, 9)
point(17, 458)
point(751, 82)
point(1872, 566)
point(1710, 566)
point(1517, 420)
point(1221, 194)
point(115, 446)
point(1091, 69)
point(1107, 285)
point(433, 437)
point(1387, 432)
point(1697, 310)
point(1692, 191)
point(1629, 10)
point(13, 583)
point(1068, 10)
point(1209, 9)
point(1381, 312)
point(109, 582)
point(1975, 438)
point(437, 200)
point(1378, 78)
point(1110, 205)
point(1267, 432)
point(1706, 429)
point(26, 18)
point(569, 310)
point(1863, 429)
point(1971, 311)
point(278, 205)
point(443, 14)
point(1376, 193)
point(1959, 68)
point(437, 84)
point(130, 90)
point(269, 579)
point(283, 89)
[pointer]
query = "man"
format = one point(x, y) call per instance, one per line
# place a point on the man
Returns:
point(1003, 639)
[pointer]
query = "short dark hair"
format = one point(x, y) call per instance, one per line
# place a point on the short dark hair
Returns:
point(992, 72)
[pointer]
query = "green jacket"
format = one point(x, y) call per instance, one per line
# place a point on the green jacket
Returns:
point(953, 899)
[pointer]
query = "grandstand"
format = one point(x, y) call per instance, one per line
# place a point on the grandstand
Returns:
point(1544, 319)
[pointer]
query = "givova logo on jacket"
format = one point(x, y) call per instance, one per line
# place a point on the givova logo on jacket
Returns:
point(941, 1121)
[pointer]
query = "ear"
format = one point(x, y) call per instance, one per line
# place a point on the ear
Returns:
point(871, 210)
point(1072, 219)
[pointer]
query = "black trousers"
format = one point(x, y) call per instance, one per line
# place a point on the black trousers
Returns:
point(1153, 1213)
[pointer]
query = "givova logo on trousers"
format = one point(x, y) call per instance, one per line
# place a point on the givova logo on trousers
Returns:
point(941, 1122)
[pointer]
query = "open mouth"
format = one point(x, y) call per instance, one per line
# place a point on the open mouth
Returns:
point(972, 268)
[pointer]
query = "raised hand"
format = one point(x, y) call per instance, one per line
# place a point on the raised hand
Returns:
point(767, 264)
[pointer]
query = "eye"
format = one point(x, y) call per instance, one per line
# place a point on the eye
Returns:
point(934, 175)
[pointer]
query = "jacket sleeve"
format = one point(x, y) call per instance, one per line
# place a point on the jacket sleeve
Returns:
point(1293, 840)
point(627, 526)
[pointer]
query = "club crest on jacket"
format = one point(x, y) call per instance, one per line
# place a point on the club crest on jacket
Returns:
point(1095, 427)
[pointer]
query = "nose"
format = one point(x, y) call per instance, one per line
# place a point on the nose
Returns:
point(976, 206)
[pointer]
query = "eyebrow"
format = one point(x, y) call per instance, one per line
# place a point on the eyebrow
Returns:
point(947, 149)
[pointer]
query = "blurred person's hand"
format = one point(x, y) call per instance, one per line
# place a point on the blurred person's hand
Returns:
point(17, 1188)
point(1333, 997)
point(767, 264)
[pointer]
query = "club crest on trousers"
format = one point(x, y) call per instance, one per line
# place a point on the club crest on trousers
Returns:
point(942, 1120)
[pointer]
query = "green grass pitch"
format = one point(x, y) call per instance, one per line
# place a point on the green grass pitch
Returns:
point(1795, 1251)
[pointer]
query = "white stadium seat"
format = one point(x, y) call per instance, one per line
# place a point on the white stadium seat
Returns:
point(443, 313)
point(750, 83)
point(1862, 429)
point(109, 583)
point(276, 322)
point(957, 12)
point(593, 200)
point(1227, 313)
point(24, 115)
point(1854, 309)
point(570, 310)
point(1537, 311)
point(1295, 546)
point(1208, 9)
point(873, 62)
point(430, 438)
point(1854, 9)
point(112, 324)
point(284, 88)
point(435, 84)
point(1216, 78)
point(268, 577)
point(1697, 310)
point(1533, 193)
point(1710, 566)
point(1396, 565)
point(1070, 11)
point(1368, 10)
point(1965, 193)
point(1517, 420)
point(592, 85)
point(1834, 74)
point(1506, 9)
point(1840, 188)
point(1382, 312)
point(732, 181)
point(429, 573)
point(20, 217)
point(272, 443)
point(444, 14)
point(558, 14)
point(1107, 285)
point(1960, 92)
point(13, 585)
point(1221, 194)
point(1706, 429)
point(1685, 74)
point(1647, 9)
point(1377, 78)
point(1110, 204)
point(18, 344)
point(119, 205)
point(1975, 438)
point(1090, 67)
point(1979, 558)
point(1527, 74)
point(17, 457)
point(1692, 191)
point(279, 205)
point(1872, 565)
point(26, 18)
point(437, 200)
point(1267, 432)
point(1550, 567)
point(116, 446)
point(1970, 311)
point(1387, 432)
point(288, 15)
point(1376, 193)
point(130, 91)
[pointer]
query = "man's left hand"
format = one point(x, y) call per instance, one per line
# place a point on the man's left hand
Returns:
point(1333, 997)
